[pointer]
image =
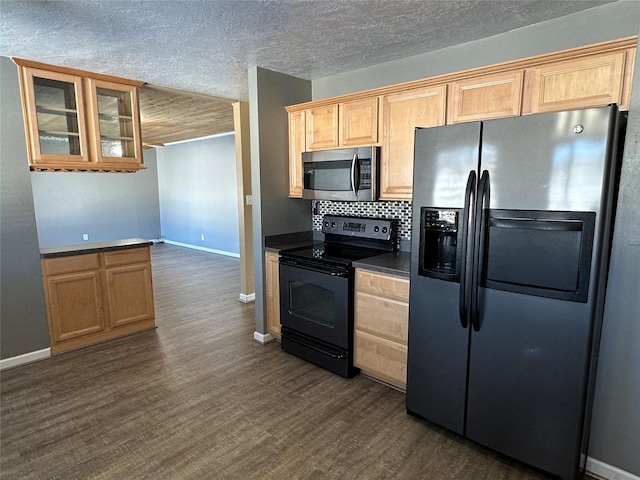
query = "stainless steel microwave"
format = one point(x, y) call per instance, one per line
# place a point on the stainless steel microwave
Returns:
point(343, 174)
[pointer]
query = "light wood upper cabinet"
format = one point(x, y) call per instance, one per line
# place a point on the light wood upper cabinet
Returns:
point(114, 123)
point(322, 127)
point(583, 77)
point(402, 113)
point(79, 121)
point(358, 122)
point(272, 291)
point(483, 98)
point(296, 147)
point(54, 112)
point(570, 84)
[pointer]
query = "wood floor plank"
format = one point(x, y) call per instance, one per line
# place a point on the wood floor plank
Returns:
point(197, 398)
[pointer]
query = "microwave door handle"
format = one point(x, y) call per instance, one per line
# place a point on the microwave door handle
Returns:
point(353, 172)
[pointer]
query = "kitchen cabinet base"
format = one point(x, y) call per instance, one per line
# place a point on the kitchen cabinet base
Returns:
point(101, 337)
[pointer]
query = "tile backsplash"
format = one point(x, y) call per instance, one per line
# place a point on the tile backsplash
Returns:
point(395, 209)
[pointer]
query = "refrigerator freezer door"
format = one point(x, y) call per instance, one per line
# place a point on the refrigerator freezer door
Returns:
point(438, 344)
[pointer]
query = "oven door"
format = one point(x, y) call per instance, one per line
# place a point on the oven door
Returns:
point(315, 301)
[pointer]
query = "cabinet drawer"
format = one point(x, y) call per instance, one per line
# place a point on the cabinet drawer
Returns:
point(381, 316)
point(381, 358)
point(74, 263)
point(121, 257)
point(384, 285)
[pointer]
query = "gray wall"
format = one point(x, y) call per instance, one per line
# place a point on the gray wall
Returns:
point(616, 415)
point(23, 315)
point(609, 22)
point(273, 212)
point(615, 432)
point(105, 206)
point(198, 193)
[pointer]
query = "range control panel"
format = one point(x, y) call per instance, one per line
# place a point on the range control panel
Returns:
point(362, 227)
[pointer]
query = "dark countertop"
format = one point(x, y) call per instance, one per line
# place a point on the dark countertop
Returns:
point(275, 243)
point(394, 263)
point(84, 248)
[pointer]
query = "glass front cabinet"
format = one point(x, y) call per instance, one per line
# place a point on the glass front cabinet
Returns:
point(77, 121)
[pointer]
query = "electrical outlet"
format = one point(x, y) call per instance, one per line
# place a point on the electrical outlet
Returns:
point(249, 199)
point(85, 236)
point(202, 237)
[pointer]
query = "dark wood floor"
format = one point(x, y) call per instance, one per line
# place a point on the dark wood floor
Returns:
point(197, 398)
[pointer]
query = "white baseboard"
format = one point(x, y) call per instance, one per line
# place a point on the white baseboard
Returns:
point(247, 298)
point(25, 358)
point(204, 249)
point(263, 337)
point(599, 469)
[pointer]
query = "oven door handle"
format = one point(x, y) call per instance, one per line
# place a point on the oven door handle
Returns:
point(295, 264)
point(317, 349)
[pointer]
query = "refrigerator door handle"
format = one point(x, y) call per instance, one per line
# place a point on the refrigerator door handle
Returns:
point(465, 234)
point(483, 191)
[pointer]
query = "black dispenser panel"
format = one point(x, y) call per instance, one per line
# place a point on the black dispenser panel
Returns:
point(541, 253)
point(440, 247)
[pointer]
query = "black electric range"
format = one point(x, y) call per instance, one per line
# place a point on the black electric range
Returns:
point(316, 289)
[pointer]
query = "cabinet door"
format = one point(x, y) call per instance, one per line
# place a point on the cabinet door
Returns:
point(114, 123)
point(296, 147)
point(571, 84)
point(75, 305)
point(358, 121)
point(483, 98)
point(322, 127)
point(130, 294)
point(53, 107)
point(272, 287)
point(402, 113)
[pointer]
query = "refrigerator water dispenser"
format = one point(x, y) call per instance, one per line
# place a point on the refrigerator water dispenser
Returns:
point(439, 243)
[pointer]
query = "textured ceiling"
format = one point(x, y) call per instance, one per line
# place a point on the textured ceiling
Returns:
point(207, 46)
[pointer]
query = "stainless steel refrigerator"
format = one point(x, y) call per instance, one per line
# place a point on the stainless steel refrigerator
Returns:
point(511, 229)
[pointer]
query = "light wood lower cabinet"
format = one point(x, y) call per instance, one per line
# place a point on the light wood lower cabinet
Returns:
point(97, 296)
point(272, 290)
point(381, 326)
